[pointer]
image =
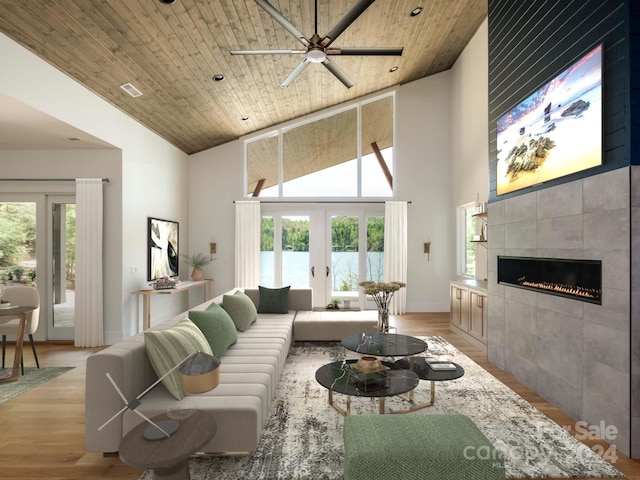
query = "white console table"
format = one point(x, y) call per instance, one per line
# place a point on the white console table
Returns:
point(180, 288)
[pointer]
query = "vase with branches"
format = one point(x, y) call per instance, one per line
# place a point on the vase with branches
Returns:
point(382, 293)
point(197, 261)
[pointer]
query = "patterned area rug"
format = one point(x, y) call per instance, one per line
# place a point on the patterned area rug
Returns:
point(303, 437)
point(32, 378)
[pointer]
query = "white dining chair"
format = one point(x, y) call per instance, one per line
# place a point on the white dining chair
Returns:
point(23, 296)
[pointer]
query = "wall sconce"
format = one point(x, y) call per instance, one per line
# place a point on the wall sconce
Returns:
point(427, 249)
point(212, 249)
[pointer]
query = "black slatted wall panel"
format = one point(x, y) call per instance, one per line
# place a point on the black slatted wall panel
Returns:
point(531, 42)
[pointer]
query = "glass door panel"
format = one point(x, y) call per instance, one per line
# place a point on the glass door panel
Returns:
point(345, 257)
point(295, 251)
point(63, 254)
point(375, 249)
point(18, 243)
point(374, 268)
point(267, 252)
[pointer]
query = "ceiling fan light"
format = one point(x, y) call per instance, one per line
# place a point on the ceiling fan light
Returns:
point(316, 56)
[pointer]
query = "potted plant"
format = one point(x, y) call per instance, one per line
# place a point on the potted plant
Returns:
point(197, 261)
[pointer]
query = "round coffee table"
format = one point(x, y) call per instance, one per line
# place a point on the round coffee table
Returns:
point(427, 371)
point(169, 457)
point(384, 344)
point(343, 377)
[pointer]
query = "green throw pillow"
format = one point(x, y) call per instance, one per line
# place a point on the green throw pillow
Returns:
point(241, 309)
point(217, 327)
point(167, 348)
point(274, 300)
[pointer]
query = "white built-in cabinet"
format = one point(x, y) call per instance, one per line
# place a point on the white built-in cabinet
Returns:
point(469, 311)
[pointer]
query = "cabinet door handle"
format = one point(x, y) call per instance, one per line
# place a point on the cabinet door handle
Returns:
point(313, 271)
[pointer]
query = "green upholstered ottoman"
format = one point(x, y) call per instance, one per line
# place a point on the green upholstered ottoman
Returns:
point(417, 446)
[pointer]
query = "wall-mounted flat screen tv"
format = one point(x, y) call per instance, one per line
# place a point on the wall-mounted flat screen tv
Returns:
point(163, 252)
point(555, 131)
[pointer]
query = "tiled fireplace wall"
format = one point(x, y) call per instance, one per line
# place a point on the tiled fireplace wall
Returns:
point(576, 355)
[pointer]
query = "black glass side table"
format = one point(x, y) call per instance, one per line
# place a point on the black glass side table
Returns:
point(384, 344)
point(343, 377)
point(432, 371)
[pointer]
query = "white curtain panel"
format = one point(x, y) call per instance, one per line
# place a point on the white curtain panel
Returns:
point(247, 244)
point(395, 252)
point(89, 330)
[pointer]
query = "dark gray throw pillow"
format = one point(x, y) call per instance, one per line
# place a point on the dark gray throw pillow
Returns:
point(274, 300)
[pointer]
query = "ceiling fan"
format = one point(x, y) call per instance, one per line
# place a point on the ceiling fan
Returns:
point(317, 49)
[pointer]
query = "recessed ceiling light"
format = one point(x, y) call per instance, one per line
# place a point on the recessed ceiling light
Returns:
point(393, 69)
point(167, 1)
point(245, 118)
point(218, 77)
point(416, 11)
point(74, 139)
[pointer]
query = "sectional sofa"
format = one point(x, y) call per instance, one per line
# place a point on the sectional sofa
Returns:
point(249, 374)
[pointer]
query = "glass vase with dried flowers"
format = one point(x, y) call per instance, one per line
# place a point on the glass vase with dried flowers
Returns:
point(382, 293)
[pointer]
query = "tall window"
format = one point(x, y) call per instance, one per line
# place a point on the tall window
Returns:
point(466, 247)
point(348, 154)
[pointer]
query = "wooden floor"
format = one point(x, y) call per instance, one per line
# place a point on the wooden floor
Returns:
point(43, 430)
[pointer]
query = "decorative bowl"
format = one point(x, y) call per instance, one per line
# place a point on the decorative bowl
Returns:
point(368, 364)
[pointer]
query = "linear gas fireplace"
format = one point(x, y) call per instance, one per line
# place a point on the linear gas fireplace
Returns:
point(577, 279)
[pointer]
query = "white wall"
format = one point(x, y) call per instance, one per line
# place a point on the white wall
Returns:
point(215, 181)
point(153, 178)
point(470, 137)
point(423, 176)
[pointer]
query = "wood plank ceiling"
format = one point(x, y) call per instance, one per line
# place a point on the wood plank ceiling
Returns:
point(170, 52)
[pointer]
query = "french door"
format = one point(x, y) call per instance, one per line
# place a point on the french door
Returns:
point(328, 250)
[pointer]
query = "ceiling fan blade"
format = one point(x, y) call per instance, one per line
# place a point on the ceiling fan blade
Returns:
point(347, 19)
point(282, 20)
point(339, 73)
point(296, 71)
point(382, 51)
point(265, 52)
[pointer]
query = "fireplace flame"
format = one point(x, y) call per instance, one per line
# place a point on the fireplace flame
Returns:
point(592, 293)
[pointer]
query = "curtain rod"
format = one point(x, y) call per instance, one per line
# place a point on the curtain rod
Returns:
point(106, 180)
point(321, 201)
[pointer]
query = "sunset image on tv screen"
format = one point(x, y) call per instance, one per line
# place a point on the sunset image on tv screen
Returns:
point(555, 131)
